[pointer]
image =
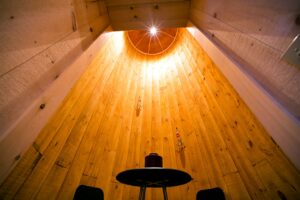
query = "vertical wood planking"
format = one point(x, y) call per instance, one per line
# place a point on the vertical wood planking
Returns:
point(100, 130)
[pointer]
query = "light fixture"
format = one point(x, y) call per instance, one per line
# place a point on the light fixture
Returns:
point(153, 30)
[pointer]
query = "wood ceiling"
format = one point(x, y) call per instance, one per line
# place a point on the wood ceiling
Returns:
point(139, 14)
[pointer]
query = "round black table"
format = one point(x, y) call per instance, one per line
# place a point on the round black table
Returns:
point(153, 177)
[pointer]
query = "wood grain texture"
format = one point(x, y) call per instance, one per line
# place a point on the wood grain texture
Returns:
point(256, 34)
point(18, 138)
point(43, 47)
point(281, 125)
point(38, 44)
point(98, 131)
point(133, 15)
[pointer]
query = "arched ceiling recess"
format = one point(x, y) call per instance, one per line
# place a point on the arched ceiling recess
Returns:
point(152, 44)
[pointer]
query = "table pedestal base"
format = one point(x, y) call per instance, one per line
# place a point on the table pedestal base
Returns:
point(143, 192)
point(165, 192)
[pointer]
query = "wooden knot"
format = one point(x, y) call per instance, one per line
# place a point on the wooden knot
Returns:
point(18, 157)
point(42, 106)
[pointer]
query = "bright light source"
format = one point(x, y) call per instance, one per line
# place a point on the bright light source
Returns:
point(153, 30)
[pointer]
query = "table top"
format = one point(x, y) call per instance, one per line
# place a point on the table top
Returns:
point(154, 177)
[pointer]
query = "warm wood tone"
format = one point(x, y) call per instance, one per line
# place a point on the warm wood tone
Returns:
point(21, 136)
point(256, 34)
point(127, 105)
point(45, 47)
point(138, 14)
point(149, 44)
point(282, 126)
point(40, 41)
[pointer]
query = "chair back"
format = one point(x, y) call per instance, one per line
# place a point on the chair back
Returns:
point(211, 194)
point(84, 192)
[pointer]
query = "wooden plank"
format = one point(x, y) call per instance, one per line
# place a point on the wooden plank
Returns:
point(50, 135)
point(46, 136)
point(156, 144)
point(129, 2)
point(134, 158)
point(231, 110)
point(139, 24)
point(276, 186)
point(273, 74)
point(207, 100)
point(122, 148)
point(52, 185)
point(146, 124)
point(19, 39)
point(168, 145)
point(26, 126)
point(113, 134)
point(166, 11)
point(145, 147)
point(235, 187)
point(75, 173)
point(264, 108)
point(29, 188)
point(256, 19)
point(30, 79)
point(224, 159)
point(176, 121)
point(110, 99)
point(284, 169)
point(168, 134)
point(215, 77)
point(104, 133)
point(20, 173)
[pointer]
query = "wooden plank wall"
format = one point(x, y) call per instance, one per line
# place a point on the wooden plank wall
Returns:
point(127, 105)
point(256, 34)
point(43, 46)
point(39, 41)
point(281, 125)
point(133, 15)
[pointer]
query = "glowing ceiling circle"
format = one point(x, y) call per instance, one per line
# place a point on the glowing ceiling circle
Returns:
point(153, 41)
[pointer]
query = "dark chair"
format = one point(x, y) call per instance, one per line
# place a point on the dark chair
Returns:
point(211, 194)
point(84, 192)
